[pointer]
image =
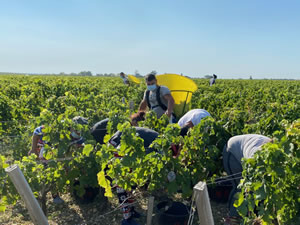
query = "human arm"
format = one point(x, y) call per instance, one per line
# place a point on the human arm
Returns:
point(170, 99)
point(189, 124)
point(143, 105)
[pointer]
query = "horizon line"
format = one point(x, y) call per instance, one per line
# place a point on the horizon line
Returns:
point(117, 74)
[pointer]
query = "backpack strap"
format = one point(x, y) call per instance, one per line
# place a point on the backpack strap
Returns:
point(159, 100)
point(147, 99)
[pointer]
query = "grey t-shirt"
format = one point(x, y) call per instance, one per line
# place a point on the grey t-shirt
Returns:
point(244, 146)
point(153, 100)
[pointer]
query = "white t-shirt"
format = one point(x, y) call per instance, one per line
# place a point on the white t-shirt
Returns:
point(194, 115)
point(244, 146)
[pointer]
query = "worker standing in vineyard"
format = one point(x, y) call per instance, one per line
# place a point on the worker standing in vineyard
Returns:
point(238, 147)
point(191, 119)
point(124, 78)
point(157, 98)
point(212, 80)
point(38, 146)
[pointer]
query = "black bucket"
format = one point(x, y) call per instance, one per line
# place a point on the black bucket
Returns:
point(174, 213)
point(220, 191)
point(89, 195)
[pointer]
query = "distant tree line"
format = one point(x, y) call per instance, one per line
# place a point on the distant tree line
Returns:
point(82, 73)
point(136, 73)
point(89, 73)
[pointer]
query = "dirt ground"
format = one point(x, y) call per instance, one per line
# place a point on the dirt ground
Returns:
point(97, 212)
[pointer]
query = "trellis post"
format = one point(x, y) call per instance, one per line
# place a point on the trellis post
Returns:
point(150, 210)
point(37, 215)
point(203, 204)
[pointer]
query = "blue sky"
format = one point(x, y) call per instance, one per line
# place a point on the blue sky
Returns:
point(231, 38)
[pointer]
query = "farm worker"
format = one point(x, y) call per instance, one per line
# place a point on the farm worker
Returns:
point(98, 131)
point(238, 147)
point(148, 136)
point(212, 80)
point(75, 135)
point(38, 142)
point(157, 98)
point(38, 145)
point(191, 119)
point(124, 78)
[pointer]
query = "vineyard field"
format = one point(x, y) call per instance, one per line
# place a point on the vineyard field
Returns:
point(267, 107)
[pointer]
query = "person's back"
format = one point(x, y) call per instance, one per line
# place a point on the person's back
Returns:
point(244, 146)
point(146, 134)
point(194, 116)
point(99, 131)
point(238, 147)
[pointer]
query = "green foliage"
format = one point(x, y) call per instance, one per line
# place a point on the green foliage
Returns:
point(237, 106)
point(249, 106)
point(270, 188)
point(153, 123)
point(199, 158)
point(3, 182)
point(29, 102)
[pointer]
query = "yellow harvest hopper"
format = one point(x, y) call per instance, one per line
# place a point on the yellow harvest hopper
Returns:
point(134, 79)
point(181, 89)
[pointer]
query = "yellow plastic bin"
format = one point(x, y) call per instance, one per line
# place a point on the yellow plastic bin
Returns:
point(181, 88)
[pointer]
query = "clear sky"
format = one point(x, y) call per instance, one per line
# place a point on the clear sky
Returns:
point(231, 38)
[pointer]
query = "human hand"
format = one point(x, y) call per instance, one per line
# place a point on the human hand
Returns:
point(168, 113)
point(175, 150)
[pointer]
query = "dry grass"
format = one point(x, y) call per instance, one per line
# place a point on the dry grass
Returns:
point(70, 212)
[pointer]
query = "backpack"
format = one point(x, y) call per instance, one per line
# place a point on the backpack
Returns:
point(157, 99)
point(163, 106)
